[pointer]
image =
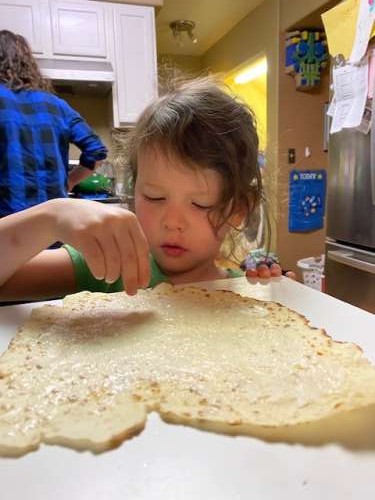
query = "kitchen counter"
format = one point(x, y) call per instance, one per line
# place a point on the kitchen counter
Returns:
point(175, 462)
point(100, 197)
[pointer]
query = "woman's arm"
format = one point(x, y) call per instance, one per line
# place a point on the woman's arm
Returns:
point(78, 174)
point(82, 135)
point(110, 239)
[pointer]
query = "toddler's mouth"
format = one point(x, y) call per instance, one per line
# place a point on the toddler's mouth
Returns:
point(173, 250)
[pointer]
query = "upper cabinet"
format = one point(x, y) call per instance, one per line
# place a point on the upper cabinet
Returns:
point(24, 17)
point(82, 30)
point(135, 58)
point(78, 29)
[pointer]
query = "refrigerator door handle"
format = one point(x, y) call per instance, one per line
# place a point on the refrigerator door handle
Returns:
point(346, 258)
point(372, 155)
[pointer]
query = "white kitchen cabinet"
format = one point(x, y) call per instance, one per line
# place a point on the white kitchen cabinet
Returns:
point(122, 35)
point(78, 28)
point(135, 61)
point(24, 18)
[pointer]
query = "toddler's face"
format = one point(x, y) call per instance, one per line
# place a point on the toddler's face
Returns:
point(172, 202)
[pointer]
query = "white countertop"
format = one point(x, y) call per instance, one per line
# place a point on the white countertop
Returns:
point(167, 462)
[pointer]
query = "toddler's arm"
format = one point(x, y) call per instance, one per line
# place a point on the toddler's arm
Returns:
point(110, 239)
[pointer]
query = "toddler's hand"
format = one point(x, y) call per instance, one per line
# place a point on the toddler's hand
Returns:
point(110, 239)
point(264, 270)
point(260, 264)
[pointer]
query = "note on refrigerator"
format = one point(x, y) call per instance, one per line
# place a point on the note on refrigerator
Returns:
point(332, 106)
point(350, 85)
point(348, 28)
point(371, 72)
point(340, 25)
point(364, 25)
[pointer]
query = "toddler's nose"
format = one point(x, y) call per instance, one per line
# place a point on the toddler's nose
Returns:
point(173, 219)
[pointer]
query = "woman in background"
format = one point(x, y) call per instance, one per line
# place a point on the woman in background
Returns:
point(36, 128)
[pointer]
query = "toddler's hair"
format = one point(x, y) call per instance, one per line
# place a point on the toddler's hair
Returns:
point(206, 127)
point(18, 67)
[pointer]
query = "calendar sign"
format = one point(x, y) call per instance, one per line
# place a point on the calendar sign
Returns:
point(307, 193)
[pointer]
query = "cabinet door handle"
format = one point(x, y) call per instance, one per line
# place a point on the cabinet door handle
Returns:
point(345, 257)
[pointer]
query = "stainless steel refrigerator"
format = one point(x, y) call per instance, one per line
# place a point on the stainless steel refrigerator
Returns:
point(350, 244)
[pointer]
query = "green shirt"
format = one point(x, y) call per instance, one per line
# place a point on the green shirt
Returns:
point(86, 281)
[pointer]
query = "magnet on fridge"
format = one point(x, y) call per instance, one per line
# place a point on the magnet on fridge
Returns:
point(307, 192)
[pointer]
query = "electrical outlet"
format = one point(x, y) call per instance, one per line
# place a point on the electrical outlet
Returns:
point(291, 155)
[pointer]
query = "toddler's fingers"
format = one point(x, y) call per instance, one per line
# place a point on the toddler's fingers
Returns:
point(251, 273)
point(275, 270)
point(112, 256)
point(94, 257)
point(130, 247)
point(263, 271)
point(129, 264)
point(143, 255)
point(135, 267)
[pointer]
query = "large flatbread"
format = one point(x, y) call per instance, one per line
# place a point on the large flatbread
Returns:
point(85, 375)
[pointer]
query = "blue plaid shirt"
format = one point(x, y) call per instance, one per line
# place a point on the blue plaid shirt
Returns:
point(36, 128)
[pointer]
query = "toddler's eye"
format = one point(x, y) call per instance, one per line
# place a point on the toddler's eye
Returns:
point(202, 207)
point(153, 198)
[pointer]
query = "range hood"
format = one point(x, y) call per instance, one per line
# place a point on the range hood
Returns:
point(94, 71)
point(74, 77)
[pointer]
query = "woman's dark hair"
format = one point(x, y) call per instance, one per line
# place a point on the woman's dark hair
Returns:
point(205, 126)
point(18, 68)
